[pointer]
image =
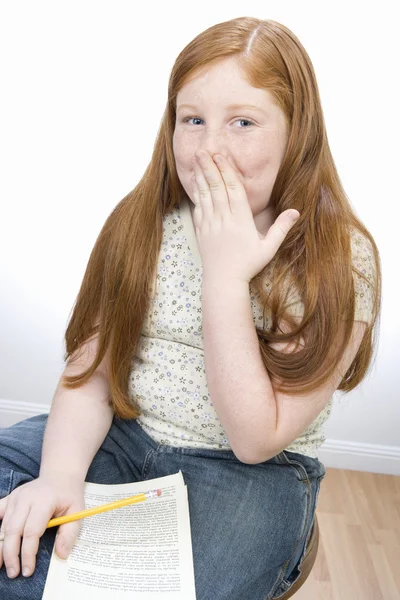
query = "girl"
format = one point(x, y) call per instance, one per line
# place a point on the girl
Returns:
point(226, 299)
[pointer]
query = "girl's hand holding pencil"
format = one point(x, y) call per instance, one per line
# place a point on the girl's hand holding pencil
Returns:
point(25, 515)
point(31, 505)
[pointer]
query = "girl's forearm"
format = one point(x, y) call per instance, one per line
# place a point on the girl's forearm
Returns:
point(77, 425)
point(237, 380)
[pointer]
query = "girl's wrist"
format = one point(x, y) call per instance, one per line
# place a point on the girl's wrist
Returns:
point(60, 474)
point(223, 291)
point(223, 282)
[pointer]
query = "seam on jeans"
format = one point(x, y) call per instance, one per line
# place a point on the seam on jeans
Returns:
point(10, 482)
point(278, 581)
point(148, 461)
point(284, 459)
point(300, 468)
point(282, 572)
point(288, 585)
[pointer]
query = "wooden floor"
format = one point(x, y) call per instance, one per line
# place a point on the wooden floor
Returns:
point(359, 545)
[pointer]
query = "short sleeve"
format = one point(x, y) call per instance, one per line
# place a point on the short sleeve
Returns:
point(364, 261)
point(295, 306)
point(293, 302)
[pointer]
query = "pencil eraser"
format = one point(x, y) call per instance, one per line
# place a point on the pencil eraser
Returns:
point(158, 492)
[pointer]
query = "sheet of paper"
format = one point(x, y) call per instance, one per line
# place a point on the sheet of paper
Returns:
point(142, 551)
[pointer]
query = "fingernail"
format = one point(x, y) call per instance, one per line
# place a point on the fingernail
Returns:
point(26, 572)
point(294, 214)
point(11, 572)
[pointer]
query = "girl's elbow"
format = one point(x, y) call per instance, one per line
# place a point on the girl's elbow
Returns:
point(253, 456)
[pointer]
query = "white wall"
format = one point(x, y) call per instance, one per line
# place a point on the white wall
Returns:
point(83, 89)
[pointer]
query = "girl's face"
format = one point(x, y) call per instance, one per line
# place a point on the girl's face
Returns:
point(219, 111)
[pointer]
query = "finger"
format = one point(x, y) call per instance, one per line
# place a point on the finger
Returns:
point(198, 213)
point(7, 507)
point(35, 526)
point(66, 537)
point(278, 231)
point(216, 184)
point(67, 533)
point(234, 168)
point(12, 528)
point(204, 193)
point(236, 193)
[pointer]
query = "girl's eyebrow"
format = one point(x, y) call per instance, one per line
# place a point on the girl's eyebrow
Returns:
point(230, 107)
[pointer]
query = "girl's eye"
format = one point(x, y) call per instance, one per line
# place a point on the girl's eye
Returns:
point(245, 121)
point(249, 123)
point(190, 119)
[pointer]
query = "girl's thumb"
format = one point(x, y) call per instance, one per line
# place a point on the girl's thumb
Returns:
point(66, 537)
point(293, 214)
point(278, 231)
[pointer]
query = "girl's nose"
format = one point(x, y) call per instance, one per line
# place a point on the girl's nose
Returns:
point(213, 141)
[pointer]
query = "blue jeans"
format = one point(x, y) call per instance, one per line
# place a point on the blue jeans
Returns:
point(249, 523)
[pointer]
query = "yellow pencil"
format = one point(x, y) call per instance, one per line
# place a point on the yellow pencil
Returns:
point(102, 508)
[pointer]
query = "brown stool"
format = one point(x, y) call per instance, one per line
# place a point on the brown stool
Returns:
point(308, 561)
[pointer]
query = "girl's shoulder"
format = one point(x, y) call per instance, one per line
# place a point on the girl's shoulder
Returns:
point(362, 254)
point(364, 275)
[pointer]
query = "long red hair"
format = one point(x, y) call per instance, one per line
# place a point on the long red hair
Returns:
point(315, 256)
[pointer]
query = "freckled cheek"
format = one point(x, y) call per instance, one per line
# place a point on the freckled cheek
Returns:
point(183, 152)
point(253, 164)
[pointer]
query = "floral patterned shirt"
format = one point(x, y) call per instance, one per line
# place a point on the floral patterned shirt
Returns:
point(167, 378)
